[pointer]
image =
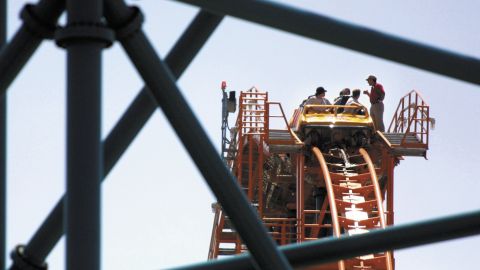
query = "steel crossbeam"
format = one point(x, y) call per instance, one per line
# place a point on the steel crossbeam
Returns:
point(322, 28)
point(161, 82)
point(85, 160)
point(333, 249)
point(125, 131)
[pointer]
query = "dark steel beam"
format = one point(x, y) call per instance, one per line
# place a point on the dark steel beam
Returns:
point(392, 238)
point(178, 59)
point(161, 82)
point(127, 128)
point(362, 39)
point(39, 22)
point(84, 37)
point(3, 145)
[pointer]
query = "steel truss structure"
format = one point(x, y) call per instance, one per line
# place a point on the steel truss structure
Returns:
point(91, 26)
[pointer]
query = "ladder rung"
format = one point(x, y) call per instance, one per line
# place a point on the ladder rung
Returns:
point(254, 93)
point(253, 104)
point(251, 98)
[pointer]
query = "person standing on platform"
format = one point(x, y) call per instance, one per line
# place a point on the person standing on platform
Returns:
point(376, 95)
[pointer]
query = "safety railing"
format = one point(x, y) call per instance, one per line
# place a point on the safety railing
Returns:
point(282, 230)
point(269, 116)
point(357, 110)
point(412, 118)
point(212, 251)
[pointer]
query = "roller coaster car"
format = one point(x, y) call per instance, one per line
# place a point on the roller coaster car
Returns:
point(326, 126)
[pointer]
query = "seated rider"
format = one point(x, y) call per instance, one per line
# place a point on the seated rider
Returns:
point(353, 101)
point(343, 97)
point(318, 99)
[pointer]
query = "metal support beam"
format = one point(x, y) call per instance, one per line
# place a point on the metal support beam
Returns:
point(3, 145)
point(340, 33)
point(162, 85)
point(333, 249)
point(125, 131)
point(84, 37)
point(39, 22)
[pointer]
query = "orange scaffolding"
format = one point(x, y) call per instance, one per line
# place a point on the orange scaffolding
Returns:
point(333, 193)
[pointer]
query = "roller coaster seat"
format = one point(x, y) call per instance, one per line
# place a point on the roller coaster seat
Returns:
point(327, 125)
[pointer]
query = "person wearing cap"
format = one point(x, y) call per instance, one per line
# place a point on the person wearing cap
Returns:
point(318, 99)
point(376, 95)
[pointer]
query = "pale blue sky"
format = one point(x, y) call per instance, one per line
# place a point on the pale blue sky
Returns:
point(156, 207)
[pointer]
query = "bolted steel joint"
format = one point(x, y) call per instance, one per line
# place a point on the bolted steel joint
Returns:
point(36, 25)
point(131, 26)
point(22, 262)
point(75, 32)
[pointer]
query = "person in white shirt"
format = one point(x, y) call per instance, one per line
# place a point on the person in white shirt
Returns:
point(318, 99)
point(353, 100)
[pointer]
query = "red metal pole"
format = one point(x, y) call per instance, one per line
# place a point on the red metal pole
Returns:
point(250, 168)
point(260, 176)
point(300, 191)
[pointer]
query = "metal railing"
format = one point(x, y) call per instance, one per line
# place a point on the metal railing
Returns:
point(282, 230)
point(412, 117)
point(357, 110)
point(268, 116)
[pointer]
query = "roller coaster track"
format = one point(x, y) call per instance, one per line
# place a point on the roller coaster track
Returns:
point(355, 202)
point(300, 193)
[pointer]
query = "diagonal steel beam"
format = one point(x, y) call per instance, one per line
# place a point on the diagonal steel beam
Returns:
point(333, 249)
point(39, 22)
point(162, 85)
point(362, 39)
point(127, 128)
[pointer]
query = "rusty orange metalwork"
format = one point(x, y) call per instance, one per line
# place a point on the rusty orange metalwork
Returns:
point(305, 192)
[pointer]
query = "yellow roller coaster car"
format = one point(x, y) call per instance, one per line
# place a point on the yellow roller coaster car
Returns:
point(333, 125)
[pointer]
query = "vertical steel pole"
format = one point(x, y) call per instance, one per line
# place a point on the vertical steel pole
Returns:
point(124, 132)
point(84, 38)
point(3, 143)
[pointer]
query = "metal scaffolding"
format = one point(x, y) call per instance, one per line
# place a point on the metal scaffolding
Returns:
point(91, 26)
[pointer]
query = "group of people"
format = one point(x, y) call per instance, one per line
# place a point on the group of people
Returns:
point(376, 95)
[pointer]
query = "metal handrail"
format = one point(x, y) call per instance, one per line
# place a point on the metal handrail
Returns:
point(213, 238)
point(413, 109)
point(333, 109)
point(297, 140)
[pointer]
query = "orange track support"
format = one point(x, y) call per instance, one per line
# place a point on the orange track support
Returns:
point(299, 199)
